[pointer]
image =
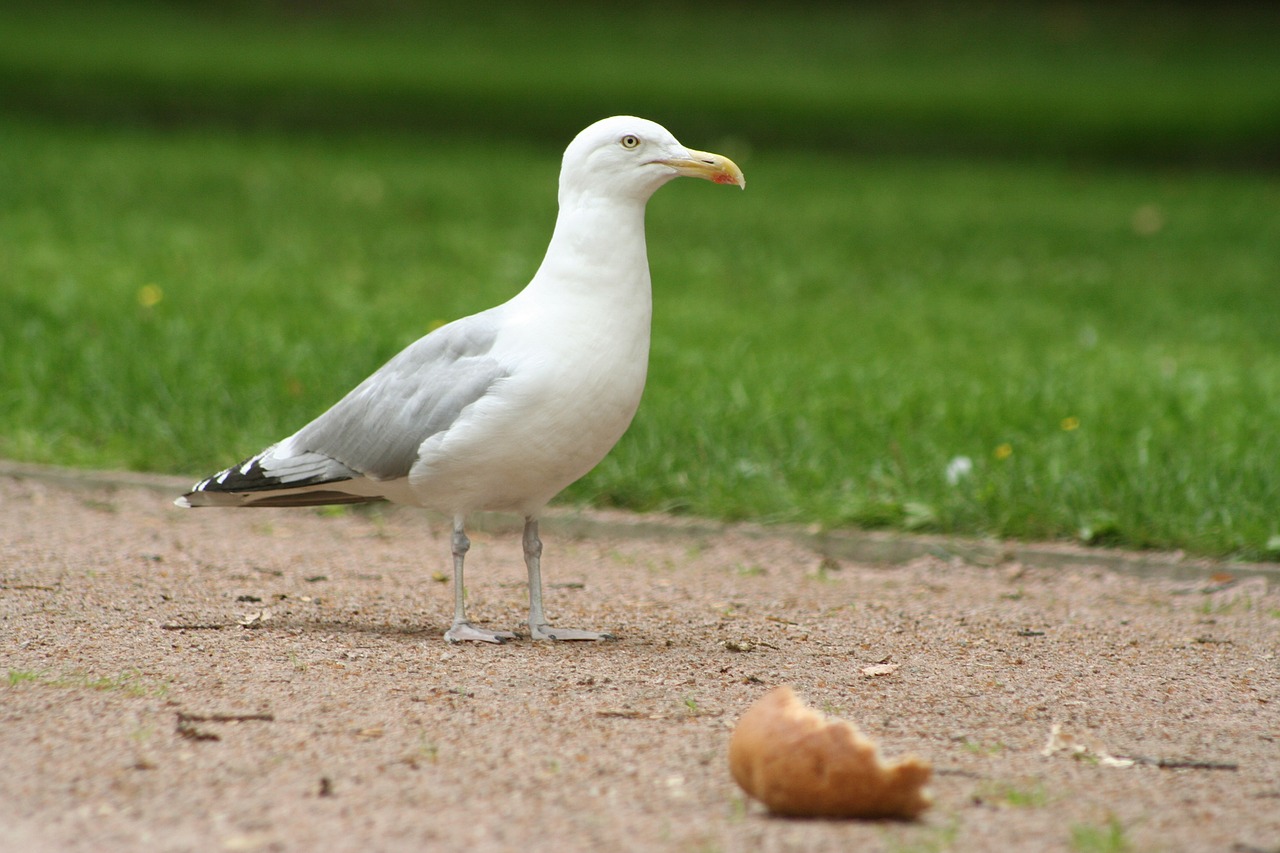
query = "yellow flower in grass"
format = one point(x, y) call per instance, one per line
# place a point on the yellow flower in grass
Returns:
point(1071, 423)
point(149, 295)
point(1004, 451)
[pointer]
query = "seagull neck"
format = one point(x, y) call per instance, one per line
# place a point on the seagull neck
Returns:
point(595, 238)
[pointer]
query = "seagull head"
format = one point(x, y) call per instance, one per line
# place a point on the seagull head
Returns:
point(631, 157)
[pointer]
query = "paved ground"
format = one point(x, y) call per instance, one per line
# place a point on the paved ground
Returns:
point(275, 680)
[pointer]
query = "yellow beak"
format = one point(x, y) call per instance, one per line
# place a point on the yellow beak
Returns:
point(709, 167)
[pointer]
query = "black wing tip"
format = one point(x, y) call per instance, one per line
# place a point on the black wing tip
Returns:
point(248, 485)
point(250, 476)
point(279, 498)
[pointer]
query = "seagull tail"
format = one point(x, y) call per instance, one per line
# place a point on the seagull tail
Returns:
point(311, 497)
point(308, 479)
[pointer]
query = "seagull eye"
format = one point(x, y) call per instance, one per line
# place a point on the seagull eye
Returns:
point(629, 142)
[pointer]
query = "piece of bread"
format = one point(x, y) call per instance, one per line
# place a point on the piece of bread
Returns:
point(799, 763)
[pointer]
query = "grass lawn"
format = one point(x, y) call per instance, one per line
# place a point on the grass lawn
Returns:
point(1038, 347)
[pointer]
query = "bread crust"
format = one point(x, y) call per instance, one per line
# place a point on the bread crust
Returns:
point(799, 763)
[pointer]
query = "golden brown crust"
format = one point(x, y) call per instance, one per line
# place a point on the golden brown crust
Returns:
point(798, 763)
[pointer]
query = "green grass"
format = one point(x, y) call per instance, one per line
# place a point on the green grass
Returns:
point(19, 676)
point(1030, 794)
point(129, 682)
point(1098, 340)
point(1112, 838)
point(921, 839)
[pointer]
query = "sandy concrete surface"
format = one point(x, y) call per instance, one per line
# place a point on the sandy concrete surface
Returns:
point(276, 680)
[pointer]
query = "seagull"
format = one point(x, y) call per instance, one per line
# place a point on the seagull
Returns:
point(502, 410)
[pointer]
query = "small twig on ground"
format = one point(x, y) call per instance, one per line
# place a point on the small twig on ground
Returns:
point(190, 732)
point(225, 718)
point(186, 723)
point(956, 771)
point(1181, 764)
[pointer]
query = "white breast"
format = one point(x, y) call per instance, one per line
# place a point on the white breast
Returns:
point(576, 344)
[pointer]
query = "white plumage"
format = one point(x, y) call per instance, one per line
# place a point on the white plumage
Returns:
point(503, 409)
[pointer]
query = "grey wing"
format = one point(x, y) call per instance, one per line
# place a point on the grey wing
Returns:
point(374, 432)
point(377, 429)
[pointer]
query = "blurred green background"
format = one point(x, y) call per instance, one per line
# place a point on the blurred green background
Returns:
point(1140, 82)
point(1002, 269)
